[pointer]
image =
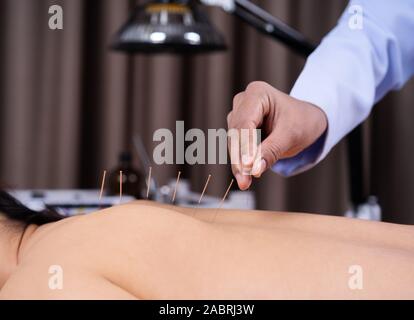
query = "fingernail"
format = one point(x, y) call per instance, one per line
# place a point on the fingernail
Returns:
point(247, 181)
point(256, 167)
point(259, 168)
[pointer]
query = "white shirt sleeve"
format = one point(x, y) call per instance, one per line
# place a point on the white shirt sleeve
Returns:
point(368, 54)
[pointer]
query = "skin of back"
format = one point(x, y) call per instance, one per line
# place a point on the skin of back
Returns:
point(144, 250)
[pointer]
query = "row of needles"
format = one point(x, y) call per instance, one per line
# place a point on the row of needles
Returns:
point(148, 182)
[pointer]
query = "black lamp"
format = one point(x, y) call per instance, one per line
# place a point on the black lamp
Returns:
point(180, 26)
point(169, 26)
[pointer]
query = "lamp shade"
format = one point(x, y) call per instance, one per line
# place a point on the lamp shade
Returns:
point(168, 26)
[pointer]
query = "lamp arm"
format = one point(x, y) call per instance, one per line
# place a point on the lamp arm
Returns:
point(265, 23)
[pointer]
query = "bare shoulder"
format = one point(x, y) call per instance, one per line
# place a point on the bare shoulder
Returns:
point(96, 255)
point(93, 235)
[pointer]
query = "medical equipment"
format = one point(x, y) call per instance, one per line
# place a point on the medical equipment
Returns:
point(185, 197)
point(178, 191)
point(144, 158)
point(67, 202)
point(131, 182)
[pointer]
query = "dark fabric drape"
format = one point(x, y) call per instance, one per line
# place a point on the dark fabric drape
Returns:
point(68, 105)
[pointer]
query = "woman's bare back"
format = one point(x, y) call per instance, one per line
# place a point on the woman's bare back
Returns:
point(147, 251)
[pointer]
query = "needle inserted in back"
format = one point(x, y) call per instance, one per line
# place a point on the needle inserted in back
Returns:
point(176, 186)
point(149, 181)
point(102, 185)
point(205, 188)
point(222, 200)
point(202, 194)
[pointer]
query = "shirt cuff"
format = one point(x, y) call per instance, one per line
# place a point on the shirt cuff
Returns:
point(326, 99)
point(303, 161)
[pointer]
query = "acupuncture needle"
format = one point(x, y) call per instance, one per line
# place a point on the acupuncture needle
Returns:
point(202, 194)
point(222, 200)
point(149, 181)
point(176, 186)
point(102, 187)
point(205, 188)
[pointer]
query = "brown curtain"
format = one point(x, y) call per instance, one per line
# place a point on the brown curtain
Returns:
point(68, 105)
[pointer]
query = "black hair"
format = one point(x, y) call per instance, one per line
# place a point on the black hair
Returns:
point(16, 211)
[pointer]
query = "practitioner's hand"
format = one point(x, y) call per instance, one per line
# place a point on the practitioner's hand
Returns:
point(290, 126)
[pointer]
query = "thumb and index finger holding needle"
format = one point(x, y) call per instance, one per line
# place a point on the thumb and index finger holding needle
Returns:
point(249, 112)
point(250, 157)
point(291, 125)
point(245, 155)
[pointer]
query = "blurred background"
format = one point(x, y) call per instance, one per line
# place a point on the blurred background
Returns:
point(69, 105)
